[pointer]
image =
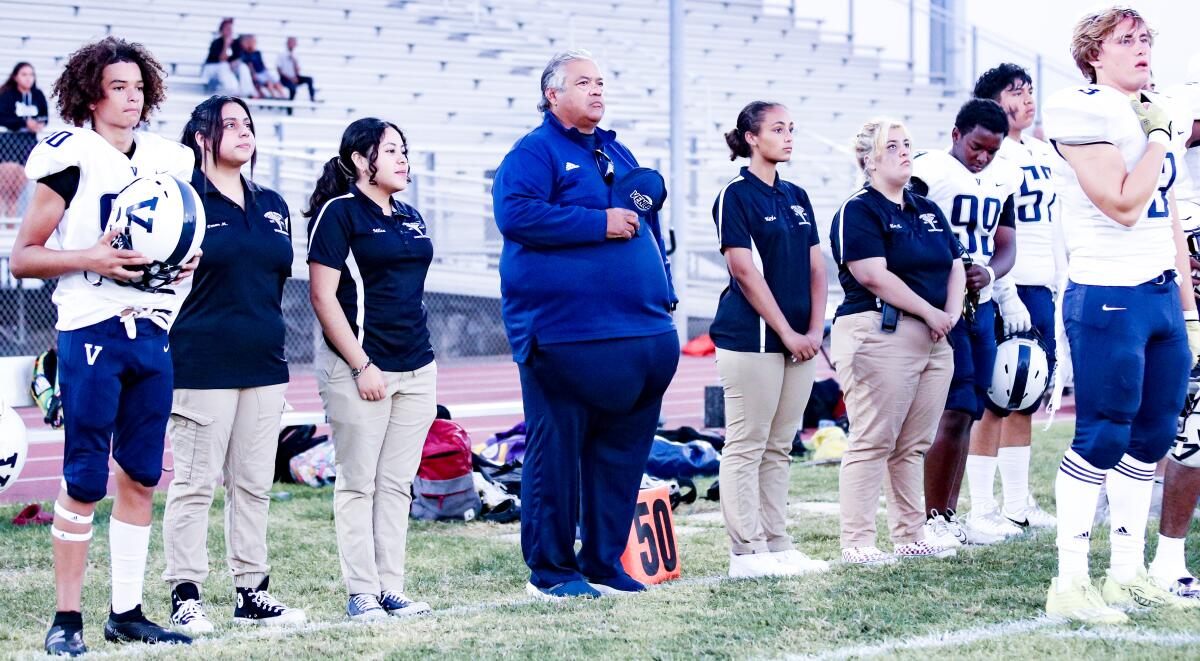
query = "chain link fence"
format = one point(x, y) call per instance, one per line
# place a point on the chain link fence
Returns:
point(463, 322)
point(26, 313)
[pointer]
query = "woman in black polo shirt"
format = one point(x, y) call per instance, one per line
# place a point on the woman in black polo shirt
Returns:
point(230, 374)
point(904, 284)
point(768, 327)
point(368, 255)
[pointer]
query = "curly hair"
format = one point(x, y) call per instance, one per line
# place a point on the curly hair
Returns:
point(82, 80)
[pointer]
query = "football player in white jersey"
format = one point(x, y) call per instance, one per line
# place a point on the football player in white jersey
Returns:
point(976, 195)
point(114, 362)
point(1026, 304)
point(1133, 332)
point(1181, 484)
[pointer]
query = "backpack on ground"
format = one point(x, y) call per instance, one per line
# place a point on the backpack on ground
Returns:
point(444, 488)
point(294, 440)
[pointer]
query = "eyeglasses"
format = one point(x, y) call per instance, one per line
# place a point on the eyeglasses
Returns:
point(605, 165)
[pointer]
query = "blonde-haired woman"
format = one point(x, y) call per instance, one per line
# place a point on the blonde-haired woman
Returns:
point(898, 265)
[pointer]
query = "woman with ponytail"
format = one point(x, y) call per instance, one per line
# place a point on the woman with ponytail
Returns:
point(368, 256)
point(230, 374)
point(769, 326)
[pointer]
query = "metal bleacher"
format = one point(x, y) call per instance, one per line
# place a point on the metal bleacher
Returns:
point(461, 78)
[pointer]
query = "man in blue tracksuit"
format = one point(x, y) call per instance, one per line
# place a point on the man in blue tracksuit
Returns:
point(587, 308)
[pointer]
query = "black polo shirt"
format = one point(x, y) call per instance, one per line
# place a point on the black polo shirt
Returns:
point(914, 237)
point(383, 260)
point(777, 225)
point(230, 331)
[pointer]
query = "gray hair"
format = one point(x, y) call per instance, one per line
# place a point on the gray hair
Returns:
point(554, 76)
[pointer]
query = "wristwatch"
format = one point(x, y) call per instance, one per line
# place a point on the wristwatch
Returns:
point(355, 373)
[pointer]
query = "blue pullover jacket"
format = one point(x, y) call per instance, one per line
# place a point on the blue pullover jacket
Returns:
point(561, 280)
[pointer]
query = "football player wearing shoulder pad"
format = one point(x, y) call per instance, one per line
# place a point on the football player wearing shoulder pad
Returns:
point(976, 193)
point(115, 369)
point(1181, 484)
point(1122, 302)
point(1025, 301)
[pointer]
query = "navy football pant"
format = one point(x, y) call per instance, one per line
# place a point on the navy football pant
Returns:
point(974, 345)
point(116, 396)
point(591, 410)
point(1130, 353)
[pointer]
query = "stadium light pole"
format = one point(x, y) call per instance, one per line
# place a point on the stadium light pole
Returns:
point(678, 197)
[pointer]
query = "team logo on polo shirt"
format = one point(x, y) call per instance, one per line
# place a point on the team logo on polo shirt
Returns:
point(799, 211)
point(276, 219)
point(417, 228)
point(931, 221)
point(642, 202)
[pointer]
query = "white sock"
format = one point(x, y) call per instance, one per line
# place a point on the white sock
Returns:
point(981, 482)
point(1076, 490)
point(128, 547)
point(1014, 479)
point(1168, 558)
point(1130, 488)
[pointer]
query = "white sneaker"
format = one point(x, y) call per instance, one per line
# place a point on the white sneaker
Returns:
point(1038, 517)
point(923, 549)
point(988, 526)
point(1179, 584)
point(799, 561)
point(938, 532)
point(980, 532)
point(758, 565)
point(866, 555)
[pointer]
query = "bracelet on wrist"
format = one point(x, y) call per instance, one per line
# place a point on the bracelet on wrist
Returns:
point(1161, 136)
point(1191, 315)
point(355, 373)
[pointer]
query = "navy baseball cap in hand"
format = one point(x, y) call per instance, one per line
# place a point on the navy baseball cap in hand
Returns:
point(641, 190)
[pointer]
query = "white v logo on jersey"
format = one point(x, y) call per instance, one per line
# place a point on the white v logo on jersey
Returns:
point(93, 352)
point(571, 166)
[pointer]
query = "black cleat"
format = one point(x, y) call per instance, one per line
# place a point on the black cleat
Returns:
point(133, 627)
point(65, 641)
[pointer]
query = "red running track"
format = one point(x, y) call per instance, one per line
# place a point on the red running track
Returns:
point(492, 382)
point(459, 384)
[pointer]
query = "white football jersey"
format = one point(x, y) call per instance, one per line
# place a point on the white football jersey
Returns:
point(82, 298)
point(1102, 251)
point(1187, 99)
point(972, 202)
point(1037, 208)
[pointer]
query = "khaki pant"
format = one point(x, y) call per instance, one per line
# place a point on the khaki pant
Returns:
point(231, 434)
point(377, 446)
point(765, 397)
point(895, 388)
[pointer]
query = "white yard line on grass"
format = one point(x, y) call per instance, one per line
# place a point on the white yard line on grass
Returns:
point(1142, 637)
point(936, 640)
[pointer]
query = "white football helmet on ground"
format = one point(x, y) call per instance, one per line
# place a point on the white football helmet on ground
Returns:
point(14, 446)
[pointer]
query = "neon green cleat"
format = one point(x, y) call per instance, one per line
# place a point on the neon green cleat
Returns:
point(1142, 592)
point(1081, 601)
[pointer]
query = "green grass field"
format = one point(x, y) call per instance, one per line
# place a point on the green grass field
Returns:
point(985, 603)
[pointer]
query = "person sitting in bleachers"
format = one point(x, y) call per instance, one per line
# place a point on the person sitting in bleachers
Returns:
point(223, 70)
point(266, 84)
point(23, 113)
point(289, 71)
